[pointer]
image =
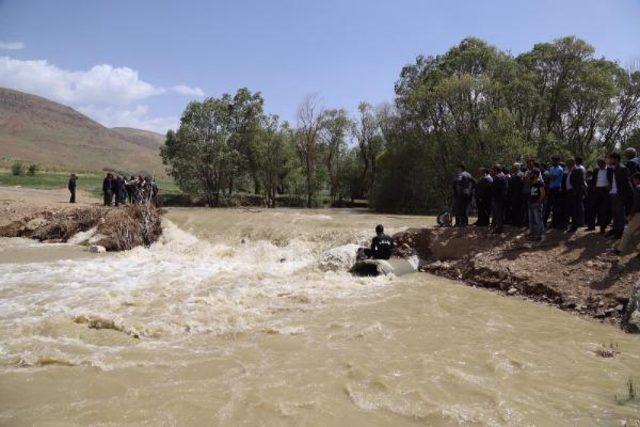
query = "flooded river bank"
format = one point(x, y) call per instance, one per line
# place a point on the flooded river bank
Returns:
point(244, 318)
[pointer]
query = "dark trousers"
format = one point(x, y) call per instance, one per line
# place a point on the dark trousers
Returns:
point(515, 216)
point(497, 213)
point(599, 208)
point(618, 213)
point(72, 199)
point(575, 205)
point(559, 210)
point(107, 198)
point(461, 210)
point(484, 212)
point(554, 208)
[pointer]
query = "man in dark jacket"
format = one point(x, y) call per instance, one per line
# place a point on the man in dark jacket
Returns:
point(107, 189)
point(483, 198)
point(72, 187)
point(462, 195)
point(630, 235)
point(120, 191)
point(576, 186)
point(515, 199)
point(599, 203)
point(632, 161)
point(381, 245)
point(619, 193)
point(499, 190)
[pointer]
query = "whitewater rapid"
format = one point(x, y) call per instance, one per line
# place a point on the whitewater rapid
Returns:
point(179, 286)
point(239, 317)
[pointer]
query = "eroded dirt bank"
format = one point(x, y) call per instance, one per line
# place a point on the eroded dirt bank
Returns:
point(111, 228)
point(572, 272)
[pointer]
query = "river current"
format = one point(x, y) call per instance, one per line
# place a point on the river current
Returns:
point(246, 317)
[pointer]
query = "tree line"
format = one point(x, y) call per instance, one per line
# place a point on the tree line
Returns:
point(474, 103)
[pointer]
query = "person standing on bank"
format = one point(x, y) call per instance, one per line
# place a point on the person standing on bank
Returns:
point(483, 198)
point(599, 200)
point(107, 189)
point(499, 190)
point(72, 187)
point(120, 191)
point(536, 198)
point(462, 195)
point(575, 192)
point(552, 207)
point(515, 199)
point(619, 193)
point(632, 161)
point(630, 236)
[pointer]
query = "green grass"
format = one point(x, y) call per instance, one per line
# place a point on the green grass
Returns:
point(91, 183)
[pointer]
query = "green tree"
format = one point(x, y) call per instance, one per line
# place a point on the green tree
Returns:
point(201, 157)
point(307, 137)
point(246, 117)
point(370, 142)
point(336, 126)
point(274, 157)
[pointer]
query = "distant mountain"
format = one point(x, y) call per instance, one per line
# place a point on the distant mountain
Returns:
point(34, 129)
point(145, 138)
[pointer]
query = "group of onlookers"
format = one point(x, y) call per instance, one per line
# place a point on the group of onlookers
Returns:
point(560, 195)
point(120, 190)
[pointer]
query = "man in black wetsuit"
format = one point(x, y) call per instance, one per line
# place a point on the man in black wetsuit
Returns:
point(381, 245)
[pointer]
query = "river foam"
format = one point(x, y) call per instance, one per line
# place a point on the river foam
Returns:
point(249, 318)
point(181, 285)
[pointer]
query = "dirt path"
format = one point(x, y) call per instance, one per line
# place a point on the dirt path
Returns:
point(20, 202)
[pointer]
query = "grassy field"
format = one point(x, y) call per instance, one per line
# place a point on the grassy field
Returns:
point(91, 183)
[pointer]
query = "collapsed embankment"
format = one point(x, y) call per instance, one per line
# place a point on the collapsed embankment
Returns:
point(115, 229)
point(571, 271)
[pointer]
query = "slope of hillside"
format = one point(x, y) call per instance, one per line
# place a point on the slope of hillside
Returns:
point(141, 137)
point(35, 129)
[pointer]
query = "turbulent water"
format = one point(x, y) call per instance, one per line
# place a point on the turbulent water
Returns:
point(239, 317)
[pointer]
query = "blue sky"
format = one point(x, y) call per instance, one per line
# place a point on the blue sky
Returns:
point(138, 62)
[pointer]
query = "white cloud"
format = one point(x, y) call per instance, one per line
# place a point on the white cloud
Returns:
point(12, 45)
point(101, 84)
point(106, 93)
point(188, 90)
point(136, 117)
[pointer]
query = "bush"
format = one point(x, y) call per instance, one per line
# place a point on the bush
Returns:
point(32, 170)
point(17, 169)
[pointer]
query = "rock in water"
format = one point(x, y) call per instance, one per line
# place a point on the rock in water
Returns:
point(631, 319)
point(97, 249)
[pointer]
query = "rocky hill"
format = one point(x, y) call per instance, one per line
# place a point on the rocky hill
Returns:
point(34, 129)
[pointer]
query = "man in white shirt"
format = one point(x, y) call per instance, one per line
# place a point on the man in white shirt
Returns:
point(599, 204)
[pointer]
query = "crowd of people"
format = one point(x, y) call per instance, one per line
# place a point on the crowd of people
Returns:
point(562, 195)
point(120, 190)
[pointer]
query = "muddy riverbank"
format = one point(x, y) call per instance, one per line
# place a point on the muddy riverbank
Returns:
point(101, 228)
point(570, 271)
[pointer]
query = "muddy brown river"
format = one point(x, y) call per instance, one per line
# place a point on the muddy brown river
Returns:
point(241, 317)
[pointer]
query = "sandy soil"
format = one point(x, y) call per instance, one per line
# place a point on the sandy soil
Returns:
point(20, 202)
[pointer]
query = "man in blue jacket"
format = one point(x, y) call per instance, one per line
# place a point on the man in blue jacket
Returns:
point(552, 207)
